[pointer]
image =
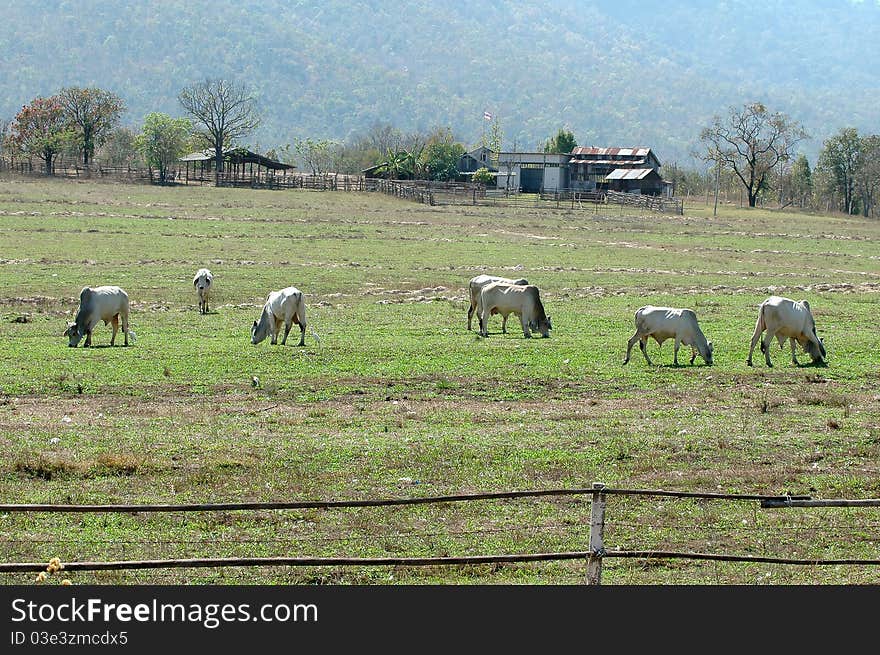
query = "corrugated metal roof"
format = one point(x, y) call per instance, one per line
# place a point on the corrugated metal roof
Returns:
point(613, 162)
point(629, 173)
point(611, 152)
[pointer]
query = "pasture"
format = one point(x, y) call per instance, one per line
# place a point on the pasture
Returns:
point(392, 396)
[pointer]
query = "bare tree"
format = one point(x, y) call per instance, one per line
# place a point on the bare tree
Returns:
point(751, 142)
point(225, 110)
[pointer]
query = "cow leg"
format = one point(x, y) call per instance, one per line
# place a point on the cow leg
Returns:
point(755, 338)
point(629, 345)
point(115, 323)
point(471, 315)
point(525, 326)
point(693, 355)
point(273, 329)
point(793, 343)
point(643, 346)
point(302, 334)
point(765, 348)
point(504, 323)
point(287, 326)
point(88, 341)
point(675, 351)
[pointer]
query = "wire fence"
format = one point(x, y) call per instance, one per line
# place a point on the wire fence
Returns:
point(649, 536)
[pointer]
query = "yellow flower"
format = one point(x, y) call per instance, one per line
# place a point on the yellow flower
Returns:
point(41, 577)
point(56, 563)
point(66, 582)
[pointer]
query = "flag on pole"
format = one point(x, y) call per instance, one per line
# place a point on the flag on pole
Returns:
point(487, 115)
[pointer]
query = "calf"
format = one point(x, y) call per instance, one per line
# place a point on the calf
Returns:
point(781, 318)
point(285, 306)
point(662, 323)
point(203, 281)
point(108, 304)
point(474, 287)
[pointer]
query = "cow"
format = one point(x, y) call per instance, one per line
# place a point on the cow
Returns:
point(781, 318)
point(203, 281)
point(662, 323)
point(524, 300)
point(478, 283)
point(285, 306)
point(108, 304)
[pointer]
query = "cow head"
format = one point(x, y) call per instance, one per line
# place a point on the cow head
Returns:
point(257, 335)
point(708, 356)
point(73, 334)
point(816, 350)
point(542, 325)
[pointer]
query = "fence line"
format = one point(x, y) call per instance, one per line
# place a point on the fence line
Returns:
point(593, 557)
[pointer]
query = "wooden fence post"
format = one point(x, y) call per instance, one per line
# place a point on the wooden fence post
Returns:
point(597, 530)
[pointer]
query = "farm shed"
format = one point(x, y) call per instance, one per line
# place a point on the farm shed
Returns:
point(635, 180)
point(240, 165)
point(590, 167)
point(533, 172)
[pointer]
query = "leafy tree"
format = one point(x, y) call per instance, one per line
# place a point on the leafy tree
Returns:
point(801, 181)
point(398, 165)
point(493, 141)
point(483, 176)
point(751, 142)
point(563, 143)
point(40, 129)
point(92, 113)
point(868, 173)
point(442, 155)
point(162, 141)
point(839, 162)
point(225, 110)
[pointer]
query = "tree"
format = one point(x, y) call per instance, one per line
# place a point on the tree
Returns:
point(483, 176)
point(868, 173)
point(442, 155)
point(225, 110)
point(563, 143)
point(92, 113)
point(40, 129)
point(839, 162)
point(801, 181)
point(751, 142)
point(162, 141)
point(119, 148)
point(318, 156)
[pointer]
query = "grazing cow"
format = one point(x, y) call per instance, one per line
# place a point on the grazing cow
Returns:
point(478, 283)
point(662, 323)
point(781, 318)
point(524, 300)
point(203, 281)
point(108, 304)
point(286, 305)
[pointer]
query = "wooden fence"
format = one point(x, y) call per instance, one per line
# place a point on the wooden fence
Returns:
point(593, 556)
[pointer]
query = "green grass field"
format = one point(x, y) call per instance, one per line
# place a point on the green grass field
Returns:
point(393, 397)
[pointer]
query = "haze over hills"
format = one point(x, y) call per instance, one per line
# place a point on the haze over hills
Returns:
point(614, 72)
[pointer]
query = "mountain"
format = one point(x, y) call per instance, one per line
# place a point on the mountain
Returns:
point(614, 72)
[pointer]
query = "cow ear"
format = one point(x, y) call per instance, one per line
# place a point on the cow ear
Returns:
point(255, 324)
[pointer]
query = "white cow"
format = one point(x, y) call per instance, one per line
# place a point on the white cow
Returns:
point(662, 323)
point(203, 281)
point(781, 318)
point(524, 300)
point(285, 306)
point(108, 304)
point(477, 283)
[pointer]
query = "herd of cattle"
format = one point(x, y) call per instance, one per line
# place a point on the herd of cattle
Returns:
point(777, 317)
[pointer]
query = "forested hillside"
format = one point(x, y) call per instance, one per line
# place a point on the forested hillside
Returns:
point(618, 72)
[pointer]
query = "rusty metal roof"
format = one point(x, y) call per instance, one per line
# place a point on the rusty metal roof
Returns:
point(612, 162)
point(629, 173)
